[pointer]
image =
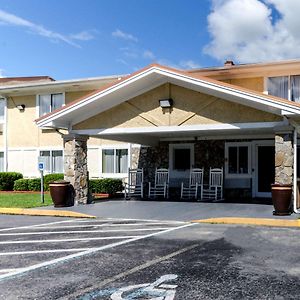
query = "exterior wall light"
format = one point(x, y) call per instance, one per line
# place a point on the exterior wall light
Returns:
point(21, 107)
point(166, 103)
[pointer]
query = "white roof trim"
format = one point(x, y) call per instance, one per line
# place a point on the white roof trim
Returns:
point(230, 92)
point(177, 129)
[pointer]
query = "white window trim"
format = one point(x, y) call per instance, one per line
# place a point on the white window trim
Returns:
point(266, 87)
point(238, 144)
point(51, 151)
point(114, 147)
point(37, 101)
point(181, 146)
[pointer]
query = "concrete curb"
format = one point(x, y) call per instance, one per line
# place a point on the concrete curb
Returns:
point(43, 212)
point(251, 221)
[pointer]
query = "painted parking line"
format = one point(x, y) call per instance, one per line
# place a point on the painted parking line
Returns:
point(91, 291)
point(33, 226)
point(82, 231)
point(69, 257)
point(133, 220)
point(104, 225)
point(45, 251)
point(69, 240)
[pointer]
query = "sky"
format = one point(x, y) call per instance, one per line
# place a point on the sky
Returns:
point(68, 39)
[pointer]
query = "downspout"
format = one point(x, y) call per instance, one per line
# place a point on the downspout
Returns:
point(295, 188)
point(5, 135)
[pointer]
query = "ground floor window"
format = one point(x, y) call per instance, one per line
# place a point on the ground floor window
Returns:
point(114, 160)
point(181, 156)
point(237, 158)
point(1, 161)
point(53, 161)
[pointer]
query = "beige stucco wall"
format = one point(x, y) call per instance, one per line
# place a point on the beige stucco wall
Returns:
point(255, 84)
point(190, 108)
point(22, 130)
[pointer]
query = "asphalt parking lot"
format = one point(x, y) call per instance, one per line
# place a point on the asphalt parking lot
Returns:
point(146, 259)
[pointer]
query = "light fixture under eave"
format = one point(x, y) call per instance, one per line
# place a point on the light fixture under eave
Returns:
point(21, 107)
point(166, 103)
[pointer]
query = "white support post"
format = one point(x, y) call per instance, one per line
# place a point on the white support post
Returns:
point(295, 188)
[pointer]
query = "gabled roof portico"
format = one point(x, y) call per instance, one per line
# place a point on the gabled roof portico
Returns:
point(129, 110)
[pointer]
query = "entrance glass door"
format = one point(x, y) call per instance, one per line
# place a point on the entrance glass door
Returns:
point(265, 170)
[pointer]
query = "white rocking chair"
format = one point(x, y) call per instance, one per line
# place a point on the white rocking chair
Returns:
point(195, 183)
point(214, 191)
point(161, 184)
point(134, 186)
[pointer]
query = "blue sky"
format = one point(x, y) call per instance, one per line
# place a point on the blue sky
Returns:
point(75, 38)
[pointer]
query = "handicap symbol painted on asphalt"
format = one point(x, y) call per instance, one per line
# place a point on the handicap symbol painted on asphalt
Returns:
point(160, 289)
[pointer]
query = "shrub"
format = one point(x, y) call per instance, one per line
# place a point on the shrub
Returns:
point(106, 185)
point(34, 184)
point(51, 177)
point(21, 185)
point(7, 180)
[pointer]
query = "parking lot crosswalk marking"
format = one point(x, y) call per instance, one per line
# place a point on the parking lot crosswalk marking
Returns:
point(70, 240)
point(90, 251)
point(81, 231)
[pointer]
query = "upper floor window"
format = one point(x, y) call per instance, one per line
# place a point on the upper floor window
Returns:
point(287, 87)
point(49, 102)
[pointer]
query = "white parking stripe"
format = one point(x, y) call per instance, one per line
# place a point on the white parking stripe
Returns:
point(70, 240)
point(102, 225)
point(126, 220)
point(90, 251)
point(45, 251)
point(32, 226)
point(81, 231)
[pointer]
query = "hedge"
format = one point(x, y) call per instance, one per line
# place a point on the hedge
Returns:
point(51, 177)
point(21, 185)
point(106, 185)
point(34, 184)
point(7, 180)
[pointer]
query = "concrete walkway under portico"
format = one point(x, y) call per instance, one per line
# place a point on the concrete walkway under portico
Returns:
point(179, 211)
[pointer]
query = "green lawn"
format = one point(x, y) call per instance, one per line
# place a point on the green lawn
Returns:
point(23, 200)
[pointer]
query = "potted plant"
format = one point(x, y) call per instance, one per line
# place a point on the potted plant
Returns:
point(281, 198)
point(60, 191)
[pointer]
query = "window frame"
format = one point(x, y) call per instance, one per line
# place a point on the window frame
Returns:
point(51, 159)
point(266, 83)
point(115, 148)
point(189, 146)
point(238, 175)
point(45, 94)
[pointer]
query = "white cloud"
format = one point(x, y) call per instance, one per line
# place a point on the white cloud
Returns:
point(122, 61)
point(2, 73)
point(246, 30)
point(148, 54)
point(10, 19)
point(83, 36)
point(189, 64)
point(125, 36)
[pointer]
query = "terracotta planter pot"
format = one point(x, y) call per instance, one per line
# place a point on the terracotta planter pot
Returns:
point(281, 197)
point(60, 193)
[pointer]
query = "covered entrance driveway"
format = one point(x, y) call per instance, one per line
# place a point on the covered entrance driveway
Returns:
point(160, 110)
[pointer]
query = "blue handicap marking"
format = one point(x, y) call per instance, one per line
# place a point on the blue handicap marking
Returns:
point(157, 290)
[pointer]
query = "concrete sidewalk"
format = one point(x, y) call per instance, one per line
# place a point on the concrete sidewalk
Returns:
point(179, 211)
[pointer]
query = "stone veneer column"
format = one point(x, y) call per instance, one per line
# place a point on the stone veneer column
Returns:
point(284, 155)
point(75, 165)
